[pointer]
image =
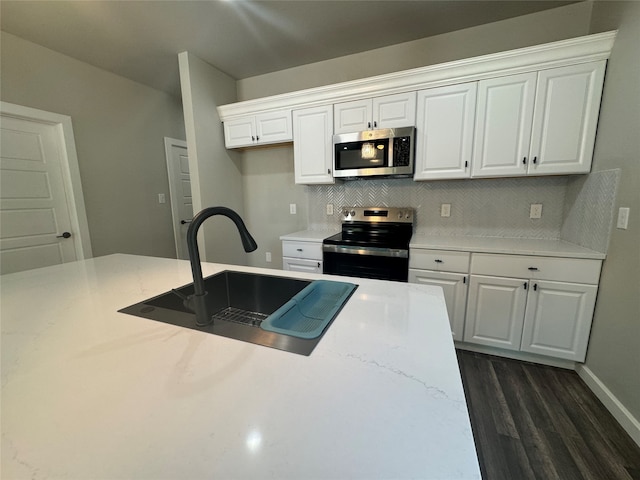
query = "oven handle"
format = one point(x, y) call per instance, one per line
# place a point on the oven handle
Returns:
point(373, 251)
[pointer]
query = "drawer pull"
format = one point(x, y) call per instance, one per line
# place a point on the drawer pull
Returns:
point(533, 269)
point(298, 249)
point(437, 260)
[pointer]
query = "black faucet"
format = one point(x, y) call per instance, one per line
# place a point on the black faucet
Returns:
point(197, 302)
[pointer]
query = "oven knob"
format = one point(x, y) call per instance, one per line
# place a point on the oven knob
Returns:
point(400, 214)
point(353, 213)
point(345, 213)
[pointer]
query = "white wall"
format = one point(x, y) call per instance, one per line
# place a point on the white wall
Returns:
point(216, 179)
point(119, 126)
point(614, 347)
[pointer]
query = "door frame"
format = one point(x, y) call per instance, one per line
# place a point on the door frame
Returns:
point(69, 166)
point(173, 193)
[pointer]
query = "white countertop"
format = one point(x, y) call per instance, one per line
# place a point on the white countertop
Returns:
point(510, 246)
point(309, 235)
point(91, 393)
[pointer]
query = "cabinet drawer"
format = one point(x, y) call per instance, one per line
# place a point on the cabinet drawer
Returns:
point(311, 250)
point(439, 260)
point(578, 270)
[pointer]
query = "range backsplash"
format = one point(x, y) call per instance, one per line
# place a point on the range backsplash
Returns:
point(480, 207)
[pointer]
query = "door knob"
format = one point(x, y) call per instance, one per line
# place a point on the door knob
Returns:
point(64, 235)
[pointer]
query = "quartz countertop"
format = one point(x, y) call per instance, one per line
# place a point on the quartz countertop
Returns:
point(88, 392)
point(511, 246)
point(309, 235)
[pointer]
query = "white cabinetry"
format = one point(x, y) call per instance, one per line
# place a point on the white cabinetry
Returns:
point(447, 270)
point(540, 305)
point(260, 129)
point(390, 111)
point(302, 256)
point(444, 138)
point(540, 123)
point(312, 145)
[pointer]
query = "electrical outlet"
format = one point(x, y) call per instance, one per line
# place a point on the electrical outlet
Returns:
point(329, 208)
point(536, 210)
point(268, 257)
point(292, 208)
point(162, 198)
point(623, 218)
point(445, 210)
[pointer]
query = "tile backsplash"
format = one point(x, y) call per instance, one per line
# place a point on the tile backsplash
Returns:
point(479, 207)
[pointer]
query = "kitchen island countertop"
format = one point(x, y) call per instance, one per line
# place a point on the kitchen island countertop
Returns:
point(88, 392)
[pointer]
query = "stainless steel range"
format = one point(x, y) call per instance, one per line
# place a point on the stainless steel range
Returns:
point(373, 243)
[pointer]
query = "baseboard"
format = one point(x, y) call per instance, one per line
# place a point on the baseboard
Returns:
point(624, 417)
point(516, 355)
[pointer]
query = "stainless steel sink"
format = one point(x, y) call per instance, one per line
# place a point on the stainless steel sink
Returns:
point(241, 301)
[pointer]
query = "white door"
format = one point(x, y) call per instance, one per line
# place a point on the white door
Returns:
point(353, 116)
point(312, 145)
point(35, 222)
point(454, 287)
point(274, 127)
point(444, 136)
point(503, 126)
point(394, 111)
point(495, 311)
point(565, 118)
point(180, 192)
point(558, 319)
point(302, 265)
point(240, 132)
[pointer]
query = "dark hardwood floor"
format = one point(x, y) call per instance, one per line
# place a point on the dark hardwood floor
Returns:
point(536, 422)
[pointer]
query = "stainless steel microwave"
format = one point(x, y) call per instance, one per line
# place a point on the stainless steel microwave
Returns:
point(388, 152)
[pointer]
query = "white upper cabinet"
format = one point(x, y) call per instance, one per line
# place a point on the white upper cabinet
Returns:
point(444, 131)
point(390, 111)
point(261, 129)
point(540, 123)
point(565, 119)
point(503, 125)
point(312, 145)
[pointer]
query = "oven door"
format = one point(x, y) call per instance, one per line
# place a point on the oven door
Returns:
point(366, 262)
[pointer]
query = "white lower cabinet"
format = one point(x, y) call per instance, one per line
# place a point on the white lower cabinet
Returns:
point(544, 306)
point(448, 270)
point(495, 311)
point(557, 321)
point(302, 256)
point(454, 286)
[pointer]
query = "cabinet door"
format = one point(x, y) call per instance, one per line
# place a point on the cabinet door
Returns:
point(240, 132)
point(301, 265)
point(353, 116)
point(558, 319)
point(565, 119)
point(454, 286)
point(274, 127)
point(312, 145)
point(395, 111)
point(495, 311)
point(503, 126)
point(444, 137)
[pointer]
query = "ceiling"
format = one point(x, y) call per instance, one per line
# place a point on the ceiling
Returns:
point(140, 40)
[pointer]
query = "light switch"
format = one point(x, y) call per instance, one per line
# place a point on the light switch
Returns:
point(268, 257)
point(292, 208)
point(329, 208)
point(445, 210)
point(162, 198)
point(623, 218)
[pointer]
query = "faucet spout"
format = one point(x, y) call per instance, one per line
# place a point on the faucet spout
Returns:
point(197, 302)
